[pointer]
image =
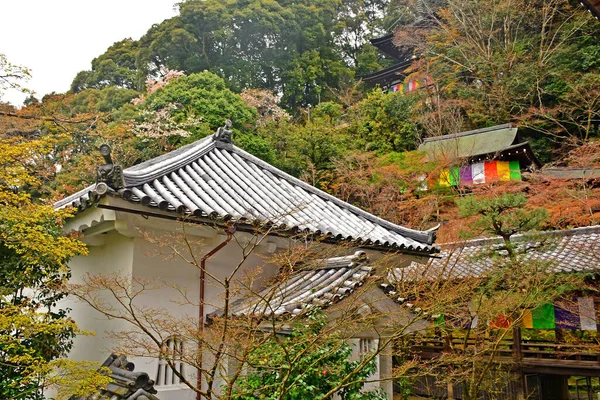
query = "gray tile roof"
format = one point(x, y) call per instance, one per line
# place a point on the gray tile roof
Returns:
point(126, 384)
point(574, 250)
point(214, 180)
point(321, 284)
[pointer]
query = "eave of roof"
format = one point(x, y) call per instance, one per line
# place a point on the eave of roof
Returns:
point(211, 180)
point(386, 45)
point(395, 72)
point(593, 6)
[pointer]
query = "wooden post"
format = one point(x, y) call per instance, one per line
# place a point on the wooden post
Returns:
point(450, 391)
point(517, 354)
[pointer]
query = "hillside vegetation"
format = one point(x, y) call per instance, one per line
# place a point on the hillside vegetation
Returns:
point(287, 73)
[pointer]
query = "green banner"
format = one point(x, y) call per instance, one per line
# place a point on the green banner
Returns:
point(543, 317)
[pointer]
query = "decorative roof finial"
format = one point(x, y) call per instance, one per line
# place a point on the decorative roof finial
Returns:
point(223, 134)
point(108, 175)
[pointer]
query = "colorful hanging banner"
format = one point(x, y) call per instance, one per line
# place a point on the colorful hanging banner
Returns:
point(474, 322)
point(491, 171)
point(444, 178)
point(587, 313)
point(439, 321)
point(565, 317)
point(478, 173)
point(500, 322)
point(540, 318)
point(408, 87)
point(527, 321)
point(503, 170)
point(454, 176)
point(515, 170)
point(549, 316)
point(466, 175)
point(543, 317)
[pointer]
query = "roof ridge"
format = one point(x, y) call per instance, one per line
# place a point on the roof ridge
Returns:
point(468, 133)
point(147, 170)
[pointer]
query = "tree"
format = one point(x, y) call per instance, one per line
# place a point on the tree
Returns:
point(12, 75)
point(302, 50)
point(392, 185)
point(34, 332)
point(308, 148)
point(206, 96)
point(383, 122)
point(116, 67)
point(477, 302)
point(505, 60)
point(313, 371)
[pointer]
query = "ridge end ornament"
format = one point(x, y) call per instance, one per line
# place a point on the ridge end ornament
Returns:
point(223, 134)
point(108, 175)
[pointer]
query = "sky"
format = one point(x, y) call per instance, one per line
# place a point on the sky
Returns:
point(57, 39)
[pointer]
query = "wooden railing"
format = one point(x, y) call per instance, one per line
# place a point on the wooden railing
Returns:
point(537, 353)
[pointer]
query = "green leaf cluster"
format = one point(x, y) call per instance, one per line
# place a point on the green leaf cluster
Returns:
point(33, 255)
point(307, 364)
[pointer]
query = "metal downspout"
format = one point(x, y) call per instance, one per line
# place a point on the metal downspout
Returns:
point(229, 230)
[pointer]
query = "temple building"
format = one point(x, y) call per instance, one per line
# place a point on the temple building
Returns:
point(480, 156)
point(392, 78)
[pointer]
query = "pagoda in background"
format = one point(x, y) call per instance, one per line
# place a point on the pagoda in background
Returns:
point(393, 78)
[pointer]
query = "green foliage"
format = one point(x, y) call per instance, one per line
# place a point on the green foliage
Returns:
point(300, 49)
point(116, 67)
point(108, 99)
point(383, 122)
point(307, 364)
point(504, 215)
point(33, 256)
point(205, 96)
point(309, 146)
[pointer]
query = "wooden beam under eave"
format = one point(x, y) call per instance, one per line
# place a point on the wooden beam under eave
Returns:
point(593, 6)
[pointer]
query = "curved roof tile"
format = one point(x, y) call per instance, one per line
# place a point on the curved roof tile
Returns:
point(323, 284)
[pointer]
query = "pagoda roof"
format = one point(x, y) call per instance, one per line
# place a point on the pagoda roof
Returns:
point(212, 180)
point(387, 76)
point(493, 140)
point(386, 45)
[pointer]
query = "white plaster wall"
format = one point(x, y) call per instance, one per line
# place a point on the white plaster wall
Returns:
point(115, 255)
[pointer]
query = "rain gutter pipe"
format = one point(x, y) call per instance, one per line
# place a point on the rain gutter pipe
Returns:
point(229, 230)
